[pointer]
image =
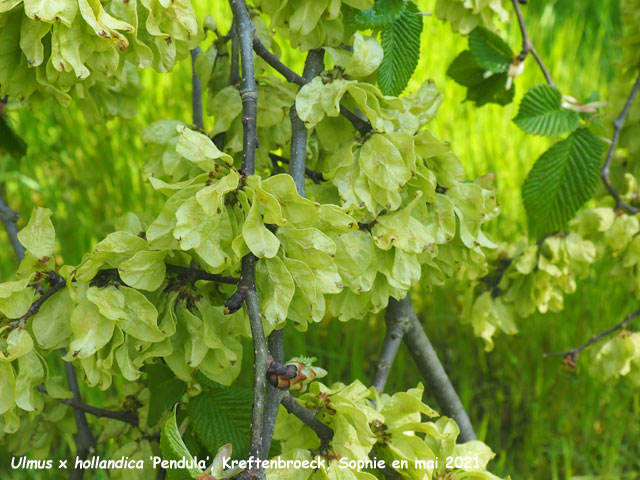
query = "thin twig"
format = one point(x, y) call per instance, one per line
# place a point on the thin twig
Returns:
point(196, 91)
point(314, 175)
point(188, 273)
point(9, 220)
point(618, 123)
point(573, 353)
point(361, 125)
point(197, 274)
point(57, 284)
point(273, 60)
point(120, 415)
point(245, 31)
point(527, 46)
point(308, 417)
point(429, 365)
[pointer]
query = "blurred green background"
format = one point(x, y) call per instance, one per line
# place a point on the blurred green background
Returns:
point(542, 422)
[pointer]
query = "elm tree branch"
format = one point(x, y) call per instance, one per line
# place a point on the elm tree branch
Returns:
point(234, 69)
point(618, 123)
point(429, 365)
point(9, 220)
point(273, 60)
point(361, 125)
point(297, 166)
point(196, 91)
point(120, 415)
point(197, 274)
point(274, 395)
point(245, 31)
point(298, 156)
point(397, 327)
point(308, 417)
point(314, 175)
point(574, 352)
point(84, 439)
point(527, 46)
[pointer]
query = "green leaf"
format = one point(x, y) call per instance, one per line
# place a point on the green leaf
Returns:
point(465, 71)
point(223, 415)
point(39, 236)
point(173, 448)
point(145, 270)
point(382, 162)
point(50, 325)
point(561, 181)
point(91, 331)
point(401, 46)
point(135, 314)
point(275, 288)
point(16, 297)
point(492, 90)
point(383, 13)
point(541, 112)
point(260, 240)
point(166, 390)
point(489, 51)
point(14, 345)
point(7, 392)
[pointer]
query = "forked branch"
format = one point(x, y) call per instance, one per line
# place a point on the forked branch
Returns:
point(527, 46)
point(429, 365)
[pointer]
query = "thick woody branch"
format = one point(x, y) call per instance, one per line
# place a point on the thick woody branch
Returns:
point(298, 156)
point(245, 31)
point(234, 68)
point(297, 167)
point(527, 46)
point(196, 91)
point(274, 395)
point(572, 354)
point(397, 327)
point(429, 365)
point(9, 220)
point(618, 123)
point(308, 417)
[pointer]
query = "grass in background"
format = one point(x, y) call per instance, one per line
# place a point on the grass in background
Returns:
point(542, 422)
